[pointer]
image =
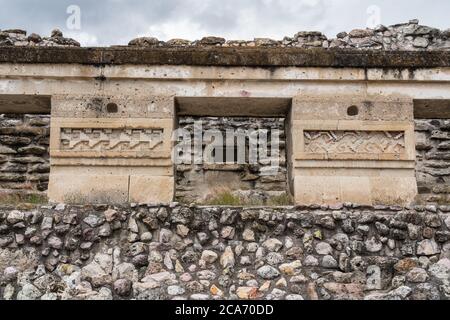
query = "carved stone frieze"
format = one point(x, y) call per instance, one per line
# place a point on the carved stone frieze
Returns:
point(372, 142)
point(92, 139)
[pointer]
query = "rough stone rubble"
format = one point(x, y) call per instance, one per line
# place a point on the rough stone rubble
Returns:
point(406, 36)
point(433, 160)
point(17, 37)
point(24, 153)
point(180, 252)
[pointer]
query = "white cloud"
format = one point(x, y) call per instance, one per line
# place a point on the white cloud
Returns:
point(183, 29)
point(84, 38)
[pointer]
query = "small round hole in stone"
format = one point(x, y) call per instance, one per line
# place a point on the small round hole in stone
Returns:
point(352, 111)
point(112, 108)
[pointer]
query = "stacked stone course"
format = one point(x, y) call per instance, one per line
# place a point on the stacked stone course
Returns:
point(433, 160)
point(24, 153)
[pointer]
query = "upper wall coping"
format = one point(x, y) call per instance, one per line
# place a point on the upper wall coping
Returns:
point(405, 45)
point(227, 56)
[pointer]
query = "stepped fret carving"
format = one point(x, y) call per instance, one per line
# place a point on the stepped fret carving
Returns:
point(88, 139)
point(373, 142)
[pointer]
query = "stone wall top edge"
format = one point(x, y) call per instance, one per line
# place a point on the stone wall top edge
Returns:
point(262, 57)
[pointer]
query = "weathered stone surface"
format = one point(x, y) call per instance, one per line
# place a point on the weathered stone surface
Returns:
point(329, 262)
point(246, 293)
point(209, 256)
point(428, 248)
point(324, 248)
point(272, 244)
point(123, 287)
point(326, 265)
point(373, 245)
point(268, 272)
point(291, 268)
point(144, 42)
point(29, 292)
point(227, 259)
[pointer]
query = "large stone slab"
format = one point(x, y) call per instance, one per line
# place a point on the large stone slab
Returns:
point(357, 149)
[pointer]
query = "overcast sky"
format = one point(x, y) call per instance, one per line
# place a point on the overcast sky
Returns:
point(106, 22)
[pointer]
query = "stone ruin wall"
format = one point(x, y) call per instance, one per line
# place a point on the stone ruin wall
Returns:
point(190, 252)
point(214, 252)
point(25, 161)
point(202, 253)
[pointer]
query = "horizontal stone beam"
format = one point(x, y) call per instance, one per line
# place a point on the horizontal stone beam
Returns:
point(219, 56)
point(233, 107)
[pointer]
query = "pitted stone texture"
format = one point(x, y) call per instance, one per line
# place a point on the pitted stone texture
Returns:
point(24, 153)
point(432, 153)
point(58, 252)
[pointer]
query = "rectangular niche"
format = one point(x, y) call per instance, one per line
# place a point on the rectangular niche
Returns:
point(228, 181)
point(432, 133)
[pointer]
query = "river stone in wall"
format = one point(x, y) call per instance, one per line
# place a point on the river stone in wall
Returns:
point(179, 252)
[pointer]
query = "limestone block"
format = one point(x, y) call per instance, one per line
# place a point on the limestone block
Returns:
point(121, 106)
point(356, 189)
point(87, 188)
point(368, 108)
point(151, 189)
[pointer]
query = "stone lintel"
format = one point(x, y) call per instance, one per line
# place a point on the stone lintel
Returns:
point(220, 56)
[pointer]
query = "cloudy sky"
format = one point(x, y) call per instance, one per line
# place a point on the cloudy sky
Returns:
point(106, 22)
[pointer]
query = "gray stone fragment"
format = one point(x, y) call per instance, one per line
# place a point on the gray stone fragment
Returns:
point(323, 248)
point(93, 220)
point(373, 274)
point(329, 262)
point(417, 275)
point(427, 248)
point(272, 244)
point(29, 292)
point(175, 290)
point(15, 216)
point(268, 272)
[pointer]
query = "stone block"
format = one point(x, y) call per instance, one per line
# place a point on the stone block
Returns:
point(151, 189)
point(88, 188)
point(367, 190)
